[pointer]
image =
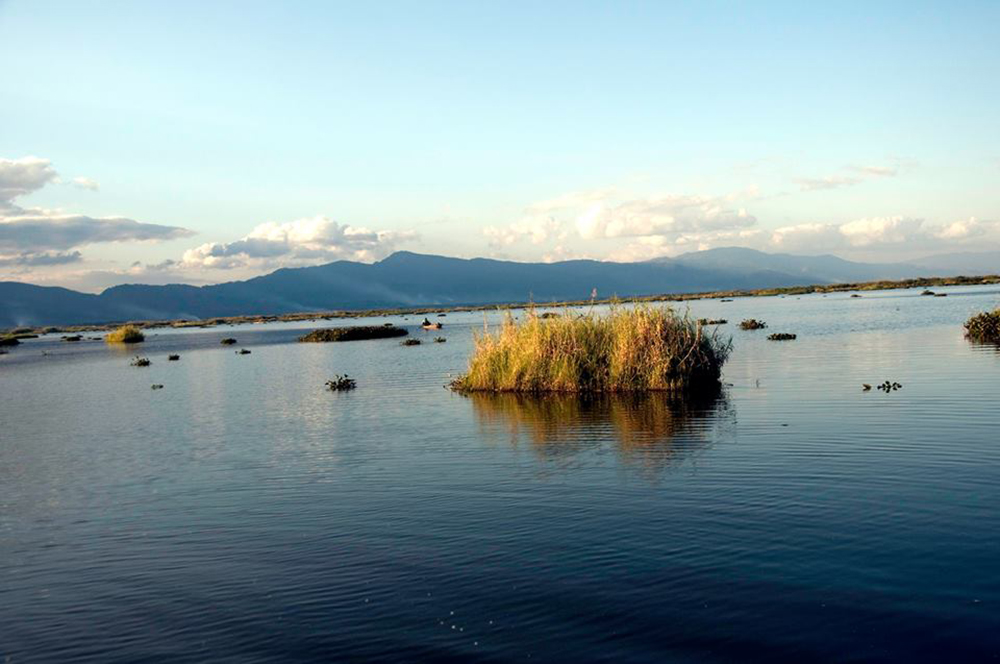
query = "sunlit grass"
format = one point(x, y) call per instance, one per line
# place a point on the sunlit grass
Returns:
point(126, 334)
point(629, 349)
point(984, 327)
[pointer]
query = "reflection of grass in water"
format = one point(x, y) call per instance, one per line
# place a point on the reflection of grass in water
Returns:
point(646, 428)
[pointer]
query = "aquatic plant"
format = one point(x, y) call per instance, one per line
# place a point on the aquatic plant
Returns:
point(140, 362)
point(340, 383)
point(550, 314)
point(173, 358)
point(410, 342)
point(627, 350)
point(243, 351)
point(712, 321)
point(9, 341)
point(928, 292)
point(355, 333)
point(156, 386)
point(781, 336)
point(126, 334)
point(984, 327)
point(78, 337)
point(228, 341)
point(752, 324)
point(439, 340)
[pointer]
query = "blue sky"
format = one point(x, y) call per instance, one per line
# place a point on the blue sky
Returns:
point(218, 140)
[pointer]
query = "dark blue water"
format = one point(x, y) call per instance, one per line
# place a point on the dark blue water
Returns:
point(242, 513)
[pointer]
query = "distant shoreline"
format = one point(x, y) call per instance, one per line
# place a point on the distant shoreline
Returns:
point(924, 282)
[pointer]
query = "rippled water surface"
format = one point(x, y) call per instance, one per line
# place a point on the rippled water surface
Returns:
point(243, 513)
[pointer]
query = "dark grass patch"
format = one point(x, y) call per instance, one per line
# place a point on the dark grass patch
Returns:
point(410, 342)
point(984, 327)
point(243, 351)
point(228, 341)
point(781, 336)
point(712, 321)
point(752, 324)
point(341, 383)
point(355, 333)
point(140, 362)
point(173, 358)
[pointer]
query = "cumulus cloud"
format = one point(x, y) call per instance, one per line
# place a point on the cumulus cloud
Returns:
point(40, 237)
point(666, 216)
point(302, 241)
point(881, 232)
point(19, 177)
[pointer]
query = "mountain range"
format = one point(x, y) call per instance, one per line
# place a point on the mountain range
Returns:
point(409, 279)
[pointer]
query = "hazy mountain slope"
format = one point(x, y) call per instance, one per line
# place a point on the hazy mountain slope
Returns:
point(406, 279)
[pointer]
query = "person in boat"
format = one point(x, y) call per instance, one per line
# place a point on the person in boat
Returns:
point(426, 322)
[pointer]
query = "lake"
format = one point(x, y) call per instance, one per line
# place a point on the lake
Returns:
point(243, 513)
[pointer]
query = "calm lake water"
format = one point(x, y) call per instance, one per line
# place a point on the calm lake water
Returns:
point(242, 513)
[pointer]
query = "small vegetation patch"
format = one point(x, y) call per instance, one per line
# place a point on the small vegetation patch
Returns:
point(752, 324)
point(984, 327)
point(928, 292)
point(439, 340)
point(355, 333)
point(550, 314)
point(73, 337)
point(940, 295)
point(712, 321)
point(156, 386)
point(410, 342)
point(243, 351)
point(126, 334)
point(140, 362)
point(627, 350)
point(781, 336)
point(341, 383)
point(9, 341)
point(228, 341)
point(173, 358)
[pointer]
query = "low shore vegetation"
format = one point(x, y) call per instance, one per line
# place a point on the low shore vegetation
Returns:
point(629, 349)
point(126, 334)
point(984, 327)
point(355, 333)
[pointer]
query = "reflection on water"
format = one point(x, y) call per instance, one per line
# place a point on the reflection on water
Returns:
point(649, 431)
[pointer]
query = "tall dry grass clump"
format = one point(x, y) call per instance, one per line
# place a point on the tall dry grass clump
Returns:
point(627, 350)
point(126, 334)
point(984, 327)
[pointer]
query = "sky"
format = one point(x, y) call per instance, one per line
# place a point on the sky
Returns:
point(192, 142)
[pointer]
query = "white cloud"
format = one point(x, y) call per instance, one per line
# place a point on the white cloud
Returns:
point(862, 173)
point(41, 237)
point(19, 177)
point(902, 233)
point(299, 242)
point(666, 216)
point(86, 183)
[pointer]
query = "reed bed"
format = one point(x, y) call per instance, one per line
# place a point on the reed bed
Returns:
point(355, 333)
point(984, 327)
point(126, 334)
point(627, 350)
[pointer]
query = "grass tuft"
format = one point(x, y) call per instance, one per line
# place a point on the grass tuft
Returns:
point(984, 327)
point(628, 350)
point(341, 383)
point(781, 336)
point(126, 334)
point(752, 324)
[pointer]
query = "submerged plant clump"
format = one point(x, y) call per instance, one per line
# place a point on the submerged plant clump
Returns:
point(140, 362)
point(439, 340)
point(355, 333)
point(984, 327)
point(627, 350)
point(781, 336)
point(126, 334)
point(410, 342)
point(712, 321)
point(752, 324)
point(228, 341)
point(243, 351)
point(340, 383)
point(173, 358)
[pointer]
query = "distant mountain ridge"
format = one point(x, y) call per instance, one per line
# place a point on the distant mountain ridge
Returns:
point(410, 279)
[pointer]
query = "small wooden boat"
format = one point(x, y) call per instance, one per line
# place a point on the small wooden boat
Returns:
point(432, 326)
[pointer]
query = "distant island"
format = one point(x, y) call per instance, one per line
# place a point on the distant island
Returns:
point(417, 282)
